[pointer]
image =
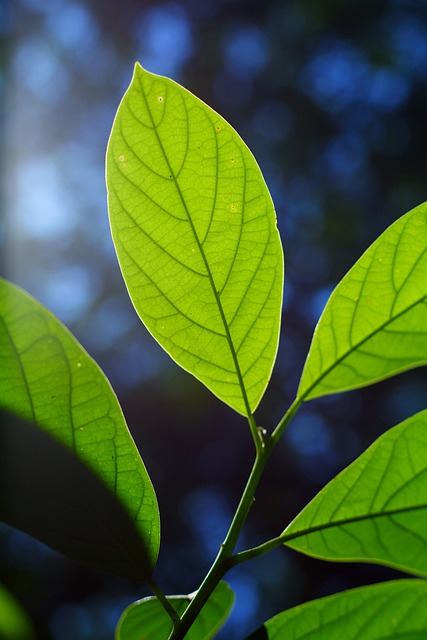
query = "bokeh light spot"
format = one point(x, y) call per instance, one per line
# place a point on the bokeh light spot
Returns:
point(246, 51)
point(164, 35)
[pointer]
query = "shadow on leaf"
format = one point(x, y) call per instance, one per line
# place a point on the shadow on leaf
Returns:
point(48, 493)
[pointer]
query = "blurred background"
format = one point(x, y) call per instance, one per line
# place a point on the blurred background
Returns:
point(331, 97)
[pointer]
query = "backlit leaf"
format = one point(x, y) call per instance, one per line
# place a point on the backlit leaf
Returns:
point(386, 611)
point(376, 509)
point(147, 620)
point(375, 322)
point(195, 232)
point(76, 482)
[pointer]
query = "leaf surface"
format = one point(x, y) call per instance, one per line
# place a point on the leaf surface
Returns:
point(386, 611)
point(195, 233)
point(147, 620)
point(14, 621)
point(375, 322)
point(76, 482)
point(376, 509)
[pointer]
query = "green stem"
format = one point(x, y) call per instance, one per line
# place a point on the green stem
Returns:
point(256, 434)
point(224, 561)
point(284, 422)
point(256, 551)
point(165, 603)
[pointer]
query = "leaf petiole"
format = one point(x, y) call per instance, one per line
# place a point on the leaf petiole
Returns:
point(256, 552)
point(284, 422)
point(165, 603)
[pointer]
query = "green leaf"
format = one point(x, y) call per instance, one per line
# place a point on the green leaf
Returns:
point(386, 611)
point(195, 233)
point(76, 482)
point(147, 620)
point(376, 509)
point(14, 622)
point(375, 322)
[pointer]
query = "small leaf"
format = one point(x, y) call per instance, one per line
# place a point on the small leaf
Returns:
point(375, 322)
point(14, 622)
point(77, 482)
point(195, 233)
point(147, 620)
point(376, 509)
point(386, 611)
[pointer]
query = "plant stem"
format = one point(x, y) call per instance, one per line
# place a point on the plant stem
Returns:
point(165, 603)
point(224, 561)
point(256, 551)
point(256, 435)
point(284, 422)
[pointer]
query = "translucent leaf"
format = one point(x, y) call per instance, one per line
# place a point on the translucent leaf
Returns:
point(387, 611)
point(76, 482)
point(195, 232)
point(14, 622)
point(375, 322)
point(376, 509)
point(147, 620)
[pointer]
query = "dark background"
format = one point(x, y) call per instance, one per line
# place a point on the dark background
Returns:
point(331, 97)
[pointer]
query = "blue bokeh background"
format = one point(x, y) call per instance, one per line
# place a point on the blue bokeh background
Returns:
point(331, 97)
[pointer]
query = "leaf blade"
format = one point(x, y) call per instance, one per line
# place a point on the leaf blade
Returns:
point(47, 379)
point(373, 325)
point(384, 611)
point(195, 233)
point(375, 510)
point(146, 618)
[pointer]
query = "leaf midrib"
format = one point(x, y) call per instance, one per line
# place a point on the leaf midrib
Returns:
point(352, 520)
point(357, 346)
point(202, 253)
